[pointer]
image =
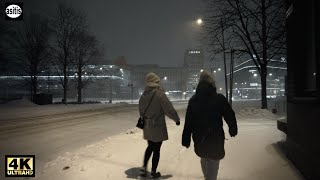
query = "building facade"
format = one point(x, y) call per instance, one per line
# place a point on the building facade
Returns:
point(193, 63)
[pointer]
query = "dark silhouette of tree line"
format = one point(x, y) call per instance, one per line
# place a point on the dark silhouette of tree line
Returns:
point(254, 27)
point(62, 42)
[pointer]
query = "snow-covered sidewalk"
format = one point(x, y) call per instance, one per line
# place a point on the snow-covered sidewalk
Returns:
point(252, 155)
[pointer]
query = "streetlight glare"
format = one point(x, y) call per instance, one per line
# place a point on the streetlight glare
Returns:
point(199, 21)
point(219, 69)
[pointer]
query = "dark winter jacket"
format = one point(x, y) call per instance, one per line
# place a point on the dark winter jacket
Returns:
point(155, 128)
point(204, 122)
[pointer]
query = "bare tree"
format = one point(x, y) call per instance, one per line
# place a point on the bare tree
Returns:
point(32, 43)
point(66, 23)
point(7, 43)
point(84, 51)
point(258, 26)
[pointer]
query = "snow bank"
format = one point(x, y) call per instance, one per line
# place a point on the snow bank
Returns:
point(255, 113)
point(20, 103)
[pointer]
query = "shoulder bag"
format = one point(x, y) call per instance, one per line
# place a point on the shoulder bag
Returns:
point(140, 123)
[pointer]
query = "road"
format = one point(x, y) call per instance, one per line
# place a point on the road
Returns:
point(48, 136)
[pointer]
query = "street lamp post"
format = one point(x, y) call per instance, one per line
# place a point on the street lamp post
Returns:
point(231, 76)
point(111, 87)
point(224, 60)
point(131, 85)
point(232, 51)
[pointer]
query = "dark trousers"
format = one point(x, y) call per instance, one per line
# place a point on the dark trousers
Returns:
point(153, 147)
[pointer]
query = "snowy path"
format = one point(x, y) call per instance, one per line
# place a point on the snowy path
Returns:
point(253, 155)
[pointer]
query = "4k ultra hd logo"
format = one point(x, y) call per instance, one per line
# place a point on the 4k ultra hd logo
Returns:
point(20, 166)
point(14, 11)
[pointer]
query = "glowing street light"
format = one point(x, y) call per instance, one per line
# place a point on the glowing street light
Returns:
point(219, 69)
point(270, 74)
point(199, 21)
point(255, 75)
point(214, 71)
point(201, 70)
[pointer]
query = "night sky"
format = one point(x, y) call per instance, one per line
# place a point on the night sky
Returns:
point(144, 31)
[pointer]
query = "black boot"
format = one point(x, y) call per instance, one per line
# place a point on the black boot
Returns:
point(155, 174)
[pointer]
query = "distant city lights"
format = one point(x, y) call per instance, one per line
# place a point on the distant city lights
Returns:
point(194, 52)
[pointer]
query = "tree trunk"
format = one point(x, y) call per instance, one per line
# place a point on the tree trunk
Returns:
point(64, 101)
point(263, 65)
point(65, 82)
point(263, 75)
point(34, 88)
point(79, 87)
point(35, 85)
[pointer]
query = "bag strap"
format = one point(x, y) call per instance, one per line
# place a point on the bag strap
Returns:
point(149, 104)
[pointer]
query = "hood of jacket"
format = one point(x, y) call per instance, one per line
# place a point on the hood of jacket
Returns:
point(205, 89)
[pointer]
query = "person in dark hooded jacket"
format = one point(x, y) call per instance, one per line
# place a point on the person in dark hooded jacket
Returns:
point(204, 122)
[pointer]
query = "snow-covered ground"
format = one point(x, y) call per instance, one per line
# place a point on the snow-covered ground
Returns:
point(72, 150)
point(255, 154)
